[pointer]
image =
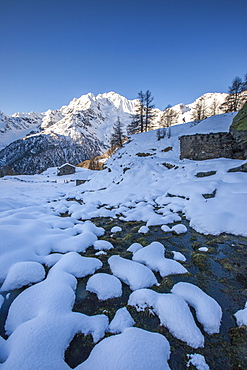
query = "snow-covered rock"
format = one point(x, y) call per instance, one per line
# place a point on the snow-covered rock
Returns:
point(241, 316)
point(105, 286)
point(121, 321)
point(173, 313)
point(153, 257)
point(208, 311)
point(134, 274)
point(133, 349)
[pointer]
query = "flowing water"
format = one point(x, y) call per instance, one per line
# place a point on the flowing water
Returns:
point(220, 272)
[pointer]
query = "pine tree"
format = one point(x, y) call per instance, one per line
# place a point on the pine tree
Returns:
point(148, 106)
point(117, 137)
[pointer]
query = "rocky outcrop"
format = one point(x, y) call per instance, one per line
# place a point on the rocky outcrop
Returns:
point(238, 130)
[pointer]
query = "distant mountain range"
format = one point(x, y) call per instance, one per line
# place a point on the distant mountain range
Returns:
point(32, 142)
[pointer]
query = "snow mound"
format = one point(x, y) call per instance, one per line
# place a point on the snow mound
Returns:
point(153, 257)
point(134, 274)
point(173, 312)
point(53, 295)
point(134, 247)
point(143, 230)
point(178, 256)
point(105, 286)
point(208, 311)
point(116, 229)
point(241, 316)
point(102, 245)
point(179, 229)
point(133, 349)
point(23, 273)
point(121, 321)
point(198, 361)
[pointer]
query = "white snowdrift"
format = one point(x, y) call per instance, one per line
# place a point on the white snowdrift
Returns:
point(105, 286)
point(134, 274)
point(173, 312)
point(241, 316)
point(153, 257)
point(208, 311)
point(133, 349)
point(121, 321)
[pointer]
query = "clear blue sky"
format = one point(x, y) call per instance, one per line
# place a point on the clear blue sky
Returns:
point(54, 50)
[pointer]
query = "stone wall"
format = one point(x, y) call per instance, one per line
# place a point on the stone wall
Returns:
point(207, 146)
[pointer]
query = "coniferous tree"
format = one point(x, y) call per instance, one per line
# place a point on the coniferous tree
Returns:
point(169, 117)
point(137, 124)
point(234, 99)
point(214, 108)
point(143, 115)
point(117, 137)
point(199, 112)
point(134, 126)
point(148, 106)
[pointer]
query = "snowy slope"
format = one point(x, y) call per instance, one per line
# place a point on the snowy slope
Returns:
point(75, 132)
point(18, 126)
point(136, 185)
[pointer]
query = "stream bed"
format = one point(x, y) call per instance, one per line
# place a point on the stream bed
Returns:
point(221, 272)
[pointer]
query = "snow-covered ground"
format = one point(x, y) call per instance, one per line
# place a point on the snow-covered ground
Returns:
point(40, 248)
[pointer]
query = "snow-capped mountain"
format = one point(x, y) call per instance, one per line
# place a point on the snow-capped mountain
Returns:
point(32, 142)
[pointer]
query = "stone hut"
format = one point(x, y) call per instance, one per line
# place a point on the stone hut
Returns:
point(206, 146)
point(66, 169)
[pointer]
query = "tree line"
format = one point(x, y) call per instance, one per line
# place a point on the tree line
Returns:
point(144, 112)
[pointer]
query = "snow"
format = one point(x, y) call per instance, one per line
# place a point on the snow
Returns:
point(179, 229)
point(134, 274)
point(34, 237)
point(115, 229)
point(133, 349)
point(52, 295)
point(203, 249)
point(23, 273)
point(241, 316)
point(134, 247)
point(173, 313)
point(102, 245)
point(208, 311)
point(143, 230)
point(121, 321)
point(198, 361)
point(153, 257)
point(178, 256)
point(105, 286)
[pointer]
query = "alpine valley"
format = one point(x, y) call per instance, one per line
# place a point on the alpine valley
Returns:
point(32, 142)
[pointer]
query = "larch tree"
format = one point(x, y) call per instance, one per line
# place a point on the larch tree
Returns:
point(148, 107)
point(199, 112)
point(143, 114)
point(234, 99)
point(117, 137)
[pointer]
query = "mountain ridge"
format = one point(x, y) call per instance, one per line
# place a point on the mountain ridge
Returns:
point(74, 133)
